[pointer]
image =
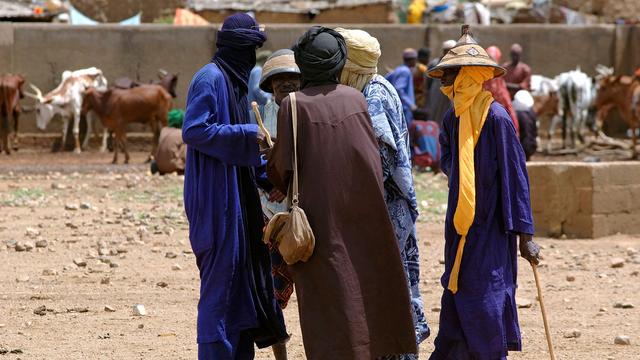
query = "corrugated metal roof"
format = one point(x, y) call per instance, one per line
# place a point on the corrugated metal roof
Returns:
point(277, 5)
point(12, 9)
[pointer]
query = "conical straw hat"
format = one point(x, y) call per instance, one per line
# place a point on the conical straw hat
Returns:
point(467, 52)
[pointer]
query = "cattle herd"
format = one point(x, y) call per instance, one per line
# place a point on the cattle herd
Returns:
point(85, 93)
point(581, 104)
point(572, 99)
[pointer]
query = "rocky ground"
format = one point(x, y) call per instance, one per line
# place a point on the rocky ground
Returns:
point(95, 263)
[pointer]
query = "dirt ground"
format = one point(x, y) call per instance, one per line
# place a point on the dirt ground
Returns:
point(107, 237)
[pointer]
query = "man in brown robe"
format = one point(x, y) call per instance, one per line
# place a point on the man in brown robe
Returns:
point(352, 293)
point(518, 76)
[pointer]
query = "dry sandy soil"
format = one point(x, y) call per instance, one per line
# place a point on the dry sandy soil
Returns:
point(127, 234)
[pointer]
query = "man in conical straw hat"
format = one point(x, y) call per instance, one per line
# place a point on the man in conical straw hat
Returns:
point(489, 208)
point(390, 128)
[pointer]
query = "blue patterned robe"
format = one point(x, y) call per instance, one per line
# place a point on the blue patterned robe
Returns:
point(385, 109)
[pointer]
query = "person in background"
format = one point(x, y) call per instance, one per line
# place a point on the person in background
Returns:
point(489, 207)
point(425, 146)
point(438, 103)
point(420, 82)
point(255, 93)
point(280, 76)
point(402, 80)
point(237, 306)
point(171, 154)
point(518, 75)
point(498, 88)
point(389, 127)
point(352, 292)
point(523, 105)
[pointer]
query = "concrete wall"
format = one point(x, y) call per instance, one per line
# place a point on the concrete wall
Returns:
point(582, 200)
point(42, 52)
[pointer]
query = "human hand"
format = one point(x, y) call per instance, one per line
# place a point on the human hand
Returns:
point(276, 196)
point(529, 249)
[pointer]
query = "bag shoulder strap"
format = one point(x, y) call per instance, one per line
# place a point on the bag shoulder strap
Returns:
point(294, 124)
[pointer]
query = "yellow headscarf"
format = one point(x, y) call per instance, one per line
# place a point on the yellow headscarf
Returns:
point(363, 52)
point(471, 105)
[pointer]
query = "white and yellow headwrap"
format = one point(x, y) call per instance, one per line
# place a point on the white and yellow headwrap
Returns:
point(363, 52)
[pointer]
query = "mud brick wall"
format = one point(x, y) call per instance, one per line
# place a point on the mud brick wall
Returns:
point(583, 200)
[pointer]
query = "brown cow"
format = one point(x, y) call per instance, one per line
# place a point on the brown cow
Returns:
point(147, 104)
point(10, 95)
point(167, 80)
point(622, 92)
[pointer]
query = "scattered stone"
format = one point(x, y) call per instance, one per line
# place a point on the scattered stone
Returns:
point(105, 281)
point(80, 262)
point(572, 334)
point(524, 303)
point(20, 246)
point(3, 350)
point(169, 230)
point(122, 250)
point(85, 206)
point(571, 278)
point(78, 309)
point(71, 207)
point(162, 284)
point(42, 310)
point(49, 272)
point(113, 252)
point(631, 251)
point(176, 267)
point(16, 351)
point(42, 243)
point(32, 232)
point(617, 263)
point(635, 273)
point(622, 340)
point(603, 309)
point(114, 265)
point(171, 255)
point(108, 308)
point(28, 245)
point(139, 310)
point(623, 306)
point(103, 251)
point(22, 279)
point(187, 251)
point(436, 309)
point(141, 326)
point(71, 225)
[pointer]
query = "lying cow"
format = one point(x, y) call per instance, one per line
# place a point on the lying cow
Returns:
point(167, 80)
point(10, 95)
point(147, 104)
point(66, 101)
point(622, 92)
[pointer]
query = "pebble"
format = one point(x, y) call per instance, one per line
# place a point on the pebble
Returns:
point(572, 334)
point(103, 251)
point(141, 326)
point(603, 309)
point(524, 304)
point(114, 265)
point(42, 243)
point(29, 245)
point(171, 255)
point(623, 306)
point(49, 272)
point(32, 232)
point(113, 252)
point(617, 263)
point(22, 278)
point(436, 309)
point(80, 262)
point(622, 340)
point(105, 281)
point(85, 206)
point(71, 207)
point(176, 267)
point(162, 284)
point(139, 310)
point(571, 278)
point(20, 246)
point(108, 308)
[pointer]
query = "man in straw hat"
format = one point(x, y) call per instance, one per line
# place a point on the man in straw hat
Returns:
point(237, 306)
point(352, 293)
point(385, 109)
point(489, 207)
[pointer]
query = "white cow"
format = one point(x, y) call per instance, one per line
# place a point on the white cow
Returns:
point(577, 93)
point(66, 101)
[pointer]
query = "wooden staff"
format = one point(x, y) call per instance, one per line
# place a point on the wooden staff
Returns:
point(264, 130)
point(544, 312)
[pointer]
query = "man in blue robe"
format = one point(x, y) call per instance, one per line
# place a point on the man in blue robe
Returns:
point(489, 207)
point(237, 306)
point(402, 80)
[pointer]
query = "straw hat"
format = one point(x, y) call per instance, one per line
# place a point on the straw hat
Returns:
point(281, 61)
point(467, 52)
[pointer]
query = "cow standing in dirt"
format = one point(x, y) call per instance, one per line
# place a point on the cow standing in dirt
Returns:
point(10, 95)
point(622, 92)
point(147, 104)
point(577, 93)
point(66, 101)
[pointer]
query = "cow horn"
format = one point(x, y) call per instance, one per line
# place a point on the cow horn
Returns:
point(38, 92)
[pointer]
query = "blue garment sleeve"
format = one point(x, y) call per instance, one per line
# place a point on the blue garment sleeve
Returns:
point(261, 176)
point(401, 83)
point(445, 145)
point(514, 179)
point(257, 94)
point(203, 130)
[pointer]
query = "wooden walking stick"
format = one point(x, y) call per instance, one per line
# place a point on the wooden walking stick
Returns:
point(544, 312)
point(254, 106)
